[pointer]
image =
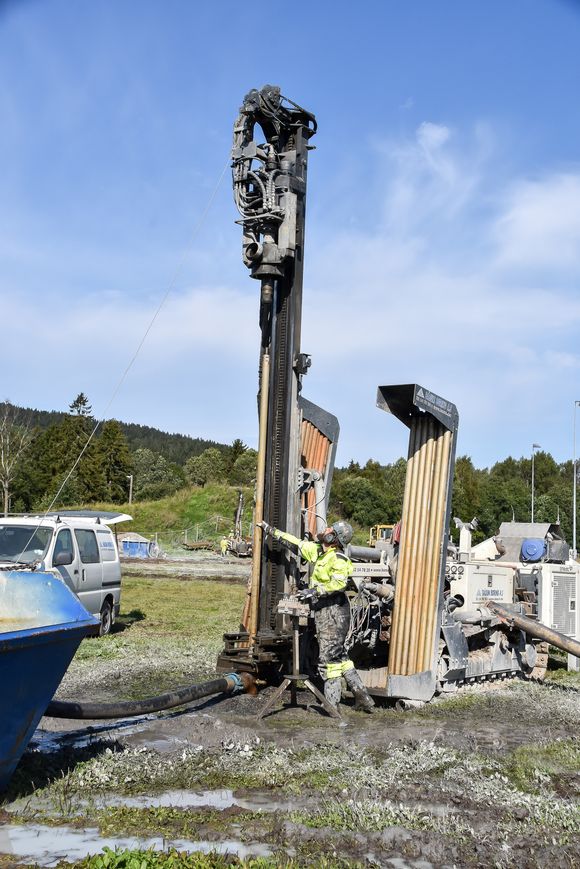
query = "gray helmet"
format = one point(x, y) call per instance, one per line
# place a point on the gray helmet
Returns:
point(343, 532)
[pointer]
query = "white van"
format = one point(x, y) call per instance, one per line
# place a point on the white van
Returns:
point(79, 546)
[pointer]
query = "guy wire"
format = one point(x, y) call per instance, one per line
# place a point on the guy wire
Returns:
point(133, 358)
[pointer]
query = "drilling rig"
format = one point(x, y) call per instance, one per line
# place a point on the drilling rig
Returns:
point(416, 631)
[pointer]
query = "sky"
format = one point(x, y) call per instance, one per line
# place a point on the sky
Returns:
point(443, 212)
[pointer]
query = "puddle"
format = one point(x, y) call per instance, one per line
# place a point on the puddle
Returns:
point(221, 799)
point(402, 863)
point(217, 799)
point(46, 846)
point(49, 741)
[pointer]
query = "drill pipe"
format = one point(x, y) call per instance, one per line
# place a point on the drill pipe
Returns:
point(127, 708)
point(438, 508)
point(536, 629)
point(259, 505)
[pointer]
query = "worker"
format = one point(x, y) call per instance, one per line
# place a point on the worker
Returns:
point(326, 594)
point(224, 546)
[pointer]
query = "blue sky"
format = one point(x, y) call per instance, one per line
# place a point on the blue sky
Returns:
point(443, 219)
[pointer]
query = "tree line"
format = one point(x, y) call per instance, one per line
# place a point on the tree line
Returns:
point(67, 460)
point(174, 447)
point(373, 493)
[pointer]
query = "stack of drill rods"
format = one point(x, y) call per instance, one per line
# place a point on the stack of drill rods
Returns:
point(428, 611)
point(414, 613)
point(411, 565)
point(315, 448)
point(430, 573)
point(420, 512)
point(401, 589)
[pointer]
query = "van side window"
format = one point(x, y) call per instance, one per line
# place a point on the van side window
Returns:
point(87, 546)
point(106, 545)
point(63, 543)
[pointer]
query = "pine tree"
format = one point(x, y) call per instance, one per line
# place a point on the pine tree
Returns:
point(232, 454)
point(115, 461)
point(80, 406)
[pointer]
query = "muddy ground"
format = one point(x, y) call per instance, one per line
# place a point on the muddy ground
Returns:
point(489, 777)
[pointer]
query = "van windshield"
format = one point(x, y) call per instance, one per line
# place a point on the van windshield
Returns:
point(23, 543)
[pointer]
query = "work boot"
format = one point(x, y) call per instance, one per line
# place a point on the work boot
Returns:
point(363, 702)
point(333, 691)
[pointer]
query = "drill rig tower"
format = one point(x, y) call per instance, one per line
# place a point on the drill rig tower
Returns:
point(297, 439)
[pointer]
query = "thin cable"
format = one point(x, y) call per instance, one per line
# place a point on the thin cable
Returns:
point(133, 358)
point(125, 373)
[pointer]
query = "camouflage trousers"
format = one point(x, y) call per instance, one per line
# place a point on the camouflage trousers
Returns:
point(332, 624)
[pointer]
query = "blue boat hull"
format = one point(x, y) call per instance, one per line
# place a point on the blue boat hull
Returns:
point(34, 657)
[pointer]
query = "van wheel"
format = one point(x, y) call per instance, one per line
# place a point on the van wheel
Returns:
point(106, 619)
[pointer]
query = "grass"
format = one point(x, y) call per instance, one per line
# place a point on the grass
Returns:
point(157, 820)
point(154, 610)
point(531, 767)
point(172, 859)
point(365, 815)
point(195, 608)
point(169, 633)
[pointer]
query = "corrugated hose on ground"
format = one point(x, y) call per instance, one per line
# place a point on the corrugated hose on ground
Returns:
point(228, 684)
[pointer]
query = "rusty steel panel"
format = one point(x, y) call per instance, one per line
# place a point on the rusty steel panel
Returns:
point(315, 453)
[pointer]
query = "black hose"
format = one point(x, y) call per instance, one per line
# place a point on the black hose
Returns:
point(127, 708)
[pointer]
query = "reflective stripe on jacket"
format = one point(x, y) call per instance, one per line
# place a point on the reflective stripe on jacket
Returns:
point(332, 569)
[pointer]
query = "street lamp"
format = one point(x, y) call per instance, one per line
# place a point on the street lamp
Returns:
point(574, 550)
point(130, 478)
point(534, 448)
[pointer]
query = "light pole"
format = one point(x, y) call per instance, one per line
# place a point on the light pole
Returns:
point(130, 478)
point(574, 550)
point(534, 448)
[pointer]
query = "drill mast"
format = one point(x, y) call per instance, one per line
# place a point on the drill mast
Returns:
point(297, 439)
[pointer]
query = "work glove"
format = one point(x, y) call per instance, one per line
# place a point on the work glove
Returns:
point(307, 595)
point(267, 529)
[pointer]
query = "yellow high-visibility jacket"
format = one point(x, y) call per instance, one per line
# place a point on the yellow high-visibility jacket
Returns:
point(332, 568)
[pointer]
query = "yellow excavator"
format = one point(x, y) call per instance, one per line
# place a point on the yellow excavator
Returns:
point(379, 535)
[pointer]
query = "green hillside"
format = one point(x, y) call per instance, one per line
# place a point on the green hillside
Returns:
point(208, 511)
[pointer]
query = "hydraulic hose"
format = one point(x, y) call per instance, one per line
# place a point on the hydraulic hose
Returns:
point(536, 629)
point(228, 684)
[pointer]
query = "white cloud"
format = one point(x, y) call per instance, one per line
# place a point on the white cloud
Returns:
point(431, 137)
point(423, 294)
point(431, 176)
point(430, 305)
point(539, 224)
